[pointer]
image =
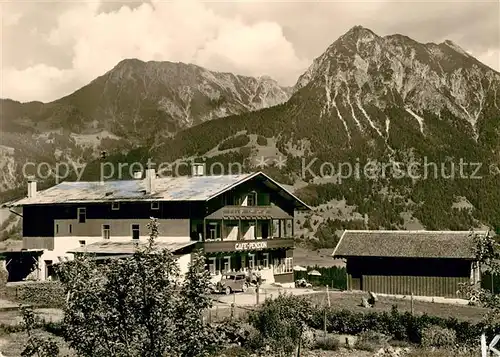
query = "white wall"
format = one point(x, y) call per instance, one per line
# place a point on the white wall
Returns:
point(121, 228)
point(183, 262)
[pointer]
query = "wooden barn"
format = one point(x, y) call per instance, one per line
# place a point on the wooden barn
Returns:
point(425, 263)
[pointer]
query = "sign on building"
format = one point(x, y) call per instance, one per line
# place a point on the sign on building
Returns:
point(250, 246)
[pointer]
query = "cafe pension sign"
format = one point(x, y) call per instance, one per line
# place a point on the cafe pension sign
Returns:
point(250, 246)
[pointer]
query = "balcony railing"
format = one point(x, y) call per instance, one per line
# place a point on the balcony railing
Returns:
point(247, 245)
point(249, 212)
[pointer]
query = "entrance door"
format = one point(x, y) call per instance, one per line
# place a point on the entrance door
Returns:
point(265, 230)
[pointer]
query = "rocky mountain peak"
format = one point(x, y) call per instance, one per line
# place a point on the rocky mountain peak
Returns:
point(363, 70)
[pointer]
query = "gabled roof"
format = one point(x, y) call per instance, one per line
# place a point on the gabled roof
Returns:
point(406, 244)
point(180, 188)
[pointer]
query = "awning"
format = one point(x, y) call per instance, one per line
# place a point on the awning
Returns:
point(249, 212)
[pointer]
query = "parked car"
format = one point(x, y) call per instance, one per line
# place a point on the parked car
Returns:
point(232, 282)
point(302, 283)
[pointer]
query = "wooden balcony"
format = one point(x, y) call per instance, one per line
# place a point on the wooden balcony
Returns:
point(248, 213)
point(246, 245)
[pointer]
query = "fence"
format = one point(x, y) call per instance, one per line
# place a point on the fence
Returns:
point(239, 304)
point(333, 277)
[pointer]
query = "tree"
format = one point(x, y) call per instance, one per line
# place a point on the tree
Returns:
point(36, 345)
point(487, 254)
point(137, 306)
point(282, 322)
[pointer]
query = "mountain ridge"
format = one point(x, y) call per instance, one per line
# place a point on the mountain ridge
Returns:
point(367, 98)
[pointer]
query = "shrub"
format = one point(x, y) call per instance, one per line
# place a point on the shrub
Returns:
point(371, 340)
point(436, 336)
point(262, 141)
point(328, 344)
point(234, 351)
point(398, 325)
point(308, 338)
point(283, 321)
point(39, 293)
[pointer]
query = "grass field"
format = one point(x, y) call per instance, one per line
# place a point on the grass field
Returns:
point(352, 300)
point(12, 344)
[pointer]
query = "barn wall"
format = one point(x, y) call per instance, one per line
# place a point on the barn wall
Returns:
point(422, 277)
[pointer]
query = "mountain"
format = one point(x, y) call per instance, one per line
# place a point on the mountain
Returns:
point(424, 117)
point(136, 103)
point(427, 115)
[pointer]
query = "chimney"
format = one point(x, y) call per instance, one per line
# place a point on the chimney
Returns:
point(31, 187)
point(150, 178)
point(198, 169)
point(137, 175)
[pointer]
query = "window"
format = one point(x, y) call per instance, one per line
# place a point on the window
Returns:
point(135, 231)
point(283, 266)
point(265, 260)
point(251, 199)
point(82, 243)
point(106, 231)
point(213, 231)
point(288, 265)
point(251, 261)
point(82, 214)
point(70, 228)
point(115, 206)
point(212, 268)
point(155, 205)
point(227, 263)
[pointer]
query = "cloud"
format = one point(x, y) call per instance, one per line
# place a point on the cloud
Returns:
point(52, 49)
point(490, 58)
point(184, 31)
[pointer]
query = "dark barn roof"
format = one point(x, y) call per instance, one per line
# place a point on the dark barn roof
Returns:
point(406, 244)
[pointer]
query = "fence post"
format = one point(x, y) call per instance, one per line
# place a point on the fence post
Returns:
point(257, 291)
point(324, 321)
point(412, 303)
point(217, 312)
point(209, 316)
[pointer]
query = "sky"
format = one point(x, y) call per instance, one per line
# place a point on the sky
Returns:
point(49, 49)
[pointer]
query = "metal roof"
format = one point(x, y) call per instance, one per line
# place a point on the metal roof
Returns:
point(14, 246)
point(406, 244)
point(181, 188)
point(127, 247)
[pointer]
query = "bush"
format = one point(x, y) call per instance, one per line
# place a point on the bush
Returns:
point(308, 338)
point(234, 351)
point(436, 336)
point(327, 344)
point(400, 326)
point(39, 293)
point(283, 322)
point(262, 141)
point(371, 340)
